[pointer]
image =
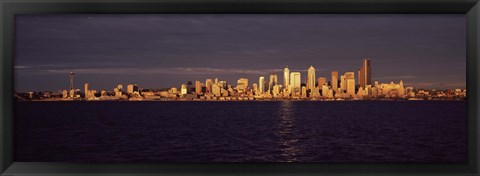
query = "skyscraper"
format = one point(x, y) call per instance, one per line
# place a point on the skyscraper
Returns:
point(295, 83)
point(343, 83)
point(272, 82)
point(87, 90)
point(351, 86)
point(350, 81)
point(198, 87)
point(286, 76)
point(311, 78)
point(261, 84)
point(364, 73)
point(334, 81)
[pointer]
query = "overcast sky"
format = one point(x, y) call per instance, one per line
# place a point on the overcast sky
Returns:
point(157, 51)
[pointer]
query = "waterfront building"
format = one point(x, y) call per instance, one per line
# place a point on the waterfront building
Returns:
point(261, 85)
point(364, 73)
point(130, 88)
point(242, 84)
point(321, 81)
point(310, 78)
point(255, 88)
point(295, 83)
point(286, 76)
point(183, 89)
point(334, 81)
point(198, 87)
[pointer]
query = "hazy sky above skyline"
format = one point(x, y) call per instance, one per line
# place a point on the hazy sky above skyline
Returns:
point(155, 51)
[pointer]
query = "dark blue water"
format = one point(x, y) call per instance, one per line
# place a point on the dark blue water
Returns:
point(282, 131)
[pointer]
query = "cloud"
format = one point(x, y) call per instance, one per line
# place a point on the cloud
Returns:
point(159, 71)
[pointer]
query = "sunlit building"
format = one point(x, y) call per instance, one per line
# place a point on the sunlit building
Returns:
point(321, 81)
point(334, 81)
point(286, 76)
point(310, 78)
point(242, 84)
point(261, 85)
point(209, 83)
point(351, 86)
point(343, 83)
point(272, 81)
point(295, 83)
point(183, 89)
point(198, 87)
point(364, 74)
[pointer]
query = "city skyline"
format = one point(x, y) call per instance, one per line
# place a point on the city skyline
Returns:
point(426, 51)
point(293, 87)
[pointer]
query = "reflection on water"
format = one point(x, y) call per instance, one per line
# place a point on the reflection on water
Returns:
point(288, 141)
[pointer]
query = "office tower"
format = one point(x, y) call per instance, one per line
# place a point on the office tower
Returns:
point(334, 81)
point(261, 84)
point(322, 81)
point(351, 86)
point(343, 83)
point(255, 88)
point(183, 89)
point(86, 87)
point(198, 87)
point(87, 90)
point(130, 88)
point(310, 78)
point(242, 84)
point(364, 73)
point(350, 82)
point(208, 84)
point(272, 82)
point(286, 76)
point(295, 83)
point(71, 80)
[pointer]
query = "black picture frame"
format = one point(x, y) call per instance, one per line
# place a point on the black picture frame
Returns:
point(8, 9)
